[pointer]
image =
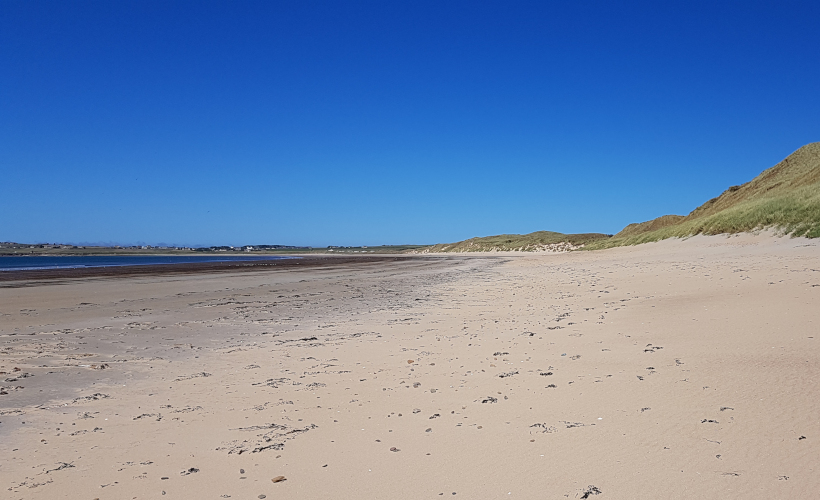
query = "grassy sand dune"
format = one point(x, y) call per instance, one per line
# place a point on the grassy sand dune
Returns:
point(785, 197)
point(537, 241)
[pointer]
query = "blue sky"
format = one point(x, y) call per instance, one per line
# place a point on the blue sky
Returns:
point(345, 123)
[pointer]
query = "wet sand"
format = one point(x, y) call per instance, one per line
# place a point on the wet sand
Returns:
point(679, 369)
point(16, 279)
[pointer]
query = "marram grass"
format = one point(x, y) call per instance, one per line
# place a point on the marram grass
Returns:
point(796, 214)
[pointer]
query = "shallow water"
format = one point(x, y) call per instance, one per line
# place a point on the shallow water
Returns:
point(26, 263)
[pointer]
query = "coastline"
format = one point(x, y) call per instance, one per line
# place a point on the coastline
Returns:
point(12, 278)
point(635, 372)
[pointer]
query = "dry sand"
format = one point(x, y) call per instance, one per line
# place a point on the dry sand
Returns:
point(680, 369)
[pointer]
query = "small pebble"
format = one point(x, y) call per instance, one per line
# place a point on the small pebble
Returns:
point(279, 479)
point(241, 471)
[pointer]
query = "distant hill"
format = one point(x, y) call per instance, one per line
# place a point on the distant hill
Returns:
point(785, 197)
point(538, 241)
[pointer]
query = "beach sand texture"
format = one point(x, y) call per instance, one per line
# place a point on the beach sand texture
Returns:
point(678, 369)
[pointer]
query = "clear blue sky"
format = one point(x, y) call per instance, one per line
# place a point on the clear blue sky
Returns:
point(317, 123)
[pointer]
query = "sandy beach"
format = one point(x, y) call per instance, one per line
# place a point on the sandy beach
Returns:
point(678, 369)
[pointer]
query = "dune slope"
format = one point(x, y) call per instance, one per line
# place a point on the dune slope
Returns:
point(785, 197)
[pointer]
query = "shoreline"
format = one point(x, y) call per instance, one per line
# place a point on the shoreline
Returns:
point(14, 278)
point(636, 372)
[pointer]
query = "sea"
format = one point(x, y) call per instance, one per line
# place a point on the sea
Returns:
point(30, 263)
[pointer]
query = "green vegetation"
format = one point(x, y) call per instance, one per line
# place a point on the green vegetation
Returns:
point(785, 197)
point(637, 228)
point(539, 240)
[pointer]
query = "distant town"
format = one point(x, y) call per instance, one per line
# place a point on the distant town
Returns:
point(10, 249)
